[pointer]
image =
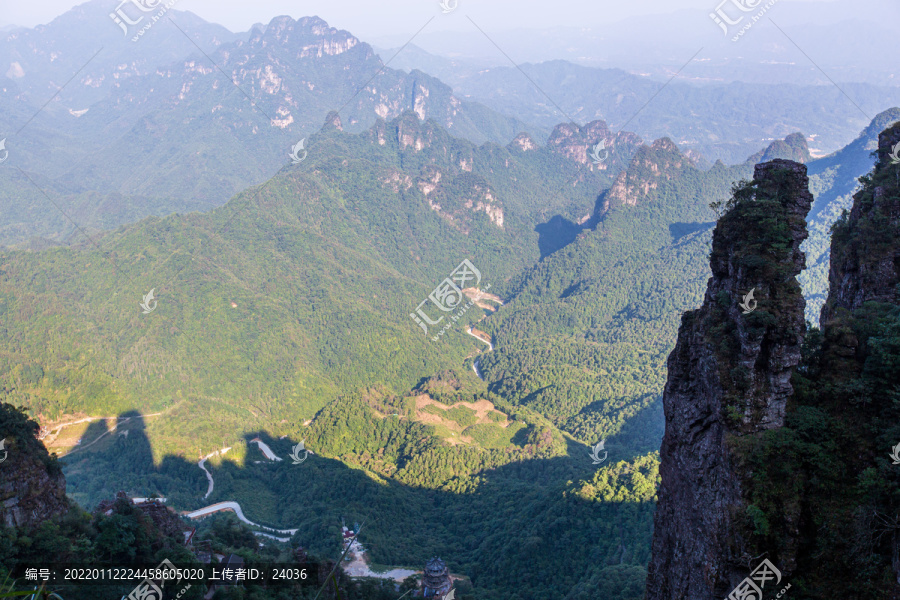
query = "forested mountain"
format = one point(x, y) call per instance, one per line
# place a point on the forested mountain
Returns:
point(332, 256)
point(585, 336)
point(400, 203)
point(399, 206)
point(337, 250)
point(292, 304)
point(153, 126)
point(189, 133)
point(41, 60)
point(454, 314)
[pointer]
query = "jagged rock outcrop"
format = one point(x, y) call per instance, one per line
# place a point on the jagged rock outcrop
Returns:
point(459, 198)
point(413, 134)
point(308, 37)
point(866, 266)
point(578, 143)
point(32, 486)
point(650, 165)
point(729, 376)
point(793, 147)
point(523, 142)
point(447, 179)
point(333, 120)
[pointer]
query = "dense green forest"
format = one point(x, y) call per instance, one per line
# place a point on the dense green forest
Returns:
point(485, 510)
point(585, 337)
point(125, 537)
point(274, 304)
point(285, 314)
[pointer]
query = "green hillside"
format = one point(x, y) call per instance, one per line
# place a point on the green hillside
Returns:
point(187, 132)
point(294, 293)
point(285, 314)
point(585, 338)
point(291, 304)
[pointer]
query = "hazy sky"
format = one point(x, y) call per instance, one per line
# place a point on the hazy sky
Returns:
point(376, 18)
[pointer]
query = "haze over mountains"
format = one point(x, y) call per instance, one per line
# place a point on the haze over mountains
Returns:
point(850, 41)
point(727, 121)
point(113, 142)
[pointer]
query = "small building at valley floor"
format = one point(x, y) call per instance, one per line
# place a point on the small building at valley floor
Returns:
point(436, 581)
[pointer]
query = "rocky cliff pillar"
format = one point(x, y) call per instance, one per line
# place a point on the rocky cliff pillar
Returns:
point(729, 376)
point(865, 266)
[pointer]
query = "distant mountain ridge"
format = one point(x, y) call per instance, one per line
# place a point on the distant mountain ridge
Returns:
point(42, 59)
point(178, 136)
point(708, 116)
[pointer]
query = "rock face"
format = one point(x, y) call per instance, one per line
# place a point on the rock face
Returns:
point(581, 143)
point(649, 166)
point(729, 376)
point(32, 486)
point(333, 120)
point(865, 267)
point(523, 142)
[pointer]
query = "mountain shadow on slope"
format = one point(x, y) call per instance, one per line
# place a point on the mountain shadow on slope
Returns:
point(555, 234)
point(490, 528)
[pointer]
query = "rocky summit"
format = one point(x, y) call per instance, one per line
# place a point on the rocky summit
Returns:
point(729, 376)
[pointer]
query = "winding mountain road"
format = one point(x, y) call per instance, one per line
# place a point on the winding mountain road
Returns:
point(483, 341)
point(236, 509)
point(265, 449)
point(234, 506)
point(208, 474)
